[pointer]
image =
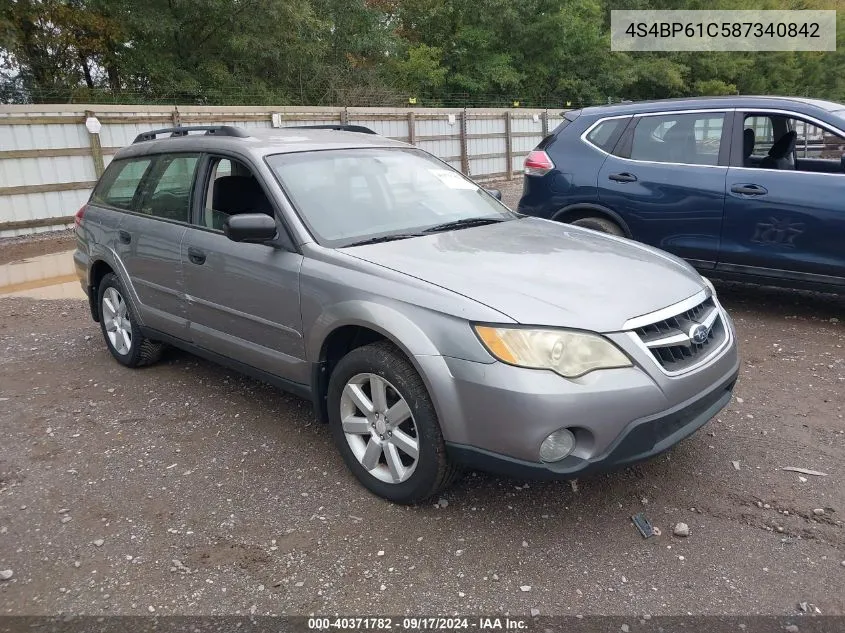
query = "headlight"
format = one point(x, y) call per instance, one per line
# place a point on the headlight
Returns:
point(709, 284)
point(567, 352)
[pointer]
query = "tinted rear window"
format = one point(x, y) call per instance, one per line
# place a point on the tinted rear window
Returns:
point(120, 182)
point(607, 133)
point(168, 192)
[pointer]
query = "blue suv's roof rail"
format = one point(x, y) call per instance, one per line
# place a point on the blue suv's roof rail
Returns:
point(216, 130)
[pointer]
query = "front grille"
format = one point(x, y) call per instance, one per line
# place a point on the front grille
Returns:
point(670, 341)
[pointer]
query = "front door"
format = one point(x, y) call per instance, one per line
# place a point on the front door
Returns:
point(666, 177)
point(785, 209)
point(243, 299)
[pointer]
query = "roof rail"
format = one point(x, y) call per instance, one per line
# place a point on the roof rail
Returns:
point(216, 130)
point(339, 128)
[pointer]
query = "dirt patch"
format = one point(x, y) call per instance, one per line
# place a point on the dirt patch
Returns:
point(227, 554)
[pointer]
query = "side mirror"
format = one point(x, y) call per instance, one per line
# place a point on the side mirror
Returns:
point(496, 193)
point(250, 227)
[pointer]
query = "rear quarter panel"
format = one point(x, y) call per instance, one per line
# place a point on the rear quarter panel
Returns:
point(574, 179)
point(95, 240)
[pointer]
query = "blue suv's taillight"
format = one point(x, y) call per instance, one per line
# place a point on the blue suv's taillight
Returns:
point(538, 163)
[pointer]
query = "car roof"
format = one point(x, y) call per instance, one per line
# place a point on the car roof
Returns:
point(260, 142)
point(693, 103)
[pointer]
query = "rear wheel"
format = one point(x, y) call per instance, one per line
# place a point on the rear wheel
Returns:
point(120, 326)
point(385, 426)
point(600, 224)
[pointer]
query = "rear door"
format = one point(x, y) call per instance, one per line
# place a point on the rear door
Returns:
point(786, 223)
point(243, 299)
point(150, 240)
point(666, 178)
point(153, 193)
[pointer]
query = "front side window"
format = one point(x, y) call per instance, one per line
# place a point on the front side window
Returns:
point(692, 139)
point(232, 189)
point(759, 140)
point(348, 196)
point(118, 186)
point(168, 193)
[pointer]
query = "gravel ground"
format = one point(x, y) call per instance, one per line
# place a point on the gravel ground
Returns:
point(185, 488)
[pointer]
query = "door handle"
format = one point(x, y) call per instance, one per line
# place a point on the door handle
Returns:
point(196, 256)
point(124, 236)
point(749, 190)
point(623, 177)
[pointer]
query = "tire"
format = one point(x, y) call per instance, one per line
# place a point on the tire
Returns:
point(123, 335)
point(371, 440)
point(600, 224)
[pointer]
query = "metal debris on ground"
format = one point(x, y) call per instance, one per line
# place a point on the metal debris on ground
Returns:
point(804, 471)
point(644, 525)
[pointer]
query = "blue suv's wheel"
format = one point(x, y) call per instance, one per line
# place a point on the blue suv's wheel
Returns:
point(600, 224)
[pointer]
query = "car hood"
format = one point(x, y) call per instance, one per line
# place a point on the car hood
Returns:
point(540, 272)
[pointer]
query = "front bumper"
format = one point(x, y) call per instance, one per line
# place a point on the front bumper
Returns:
point(495, 416)
point(640, 440)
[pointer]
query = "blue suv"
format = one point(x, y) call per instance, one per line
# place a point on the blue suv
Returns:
point(744, 188)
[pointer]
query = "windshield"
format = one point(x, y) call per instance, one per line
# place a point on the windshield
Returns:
point(350, 196)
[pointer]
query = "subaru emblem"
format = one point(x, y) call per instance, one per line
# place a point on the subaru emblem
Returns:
point(699, 334)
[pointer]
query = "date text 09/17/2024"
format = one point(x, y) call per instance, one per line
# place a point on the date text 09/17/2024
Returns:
point(477, 623)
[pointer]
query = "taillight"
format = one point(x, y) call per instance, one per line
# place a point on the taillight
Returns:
point(538, 163)
point(77, 219)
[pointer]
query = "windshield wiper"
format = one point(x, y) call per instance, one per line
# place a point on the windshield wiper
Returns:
point(385, 238)
point(460, 224)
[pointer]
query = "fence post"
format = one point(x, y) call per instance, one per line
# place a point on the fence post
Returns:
point(545, 119)
point(412, 128)
point(344, 116)
point(508, 145)
point(96, 147)
point(464, 150)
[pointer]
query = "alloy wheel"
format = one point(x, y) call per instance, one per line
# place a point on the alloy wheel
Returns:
point(379, 427)
point(116, 320)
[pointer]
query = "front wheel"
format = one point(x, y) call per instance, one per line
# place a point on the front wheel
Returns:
point(385, 426)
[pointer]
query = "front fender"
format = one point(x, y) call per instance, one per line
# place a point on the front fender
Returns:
point(402, 331)
point(388, 321)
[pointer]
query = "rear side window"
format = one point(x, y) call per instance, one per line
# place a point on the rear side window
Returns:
point(607, 133)
point(118, 186)
point(691, 139)
point(168, 191)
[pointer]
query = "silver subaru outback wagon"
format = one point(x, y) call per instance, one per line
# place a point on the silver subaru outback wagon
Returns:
point(430, 326)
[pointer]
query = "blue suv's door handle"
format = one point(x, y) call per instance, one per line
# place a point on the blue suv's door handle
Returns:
point(749, 190)
point(623, 177)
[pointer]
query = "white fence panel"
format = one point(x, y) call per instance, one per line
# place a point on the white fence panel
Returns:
point(48, 158)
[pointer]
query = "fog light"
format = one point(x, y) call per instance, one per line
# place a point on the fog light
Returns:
point(557, 445)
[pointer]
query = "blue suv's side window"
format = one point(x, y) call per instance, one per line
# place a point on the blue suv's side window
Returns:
point(691, 139)
point(606, 134)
